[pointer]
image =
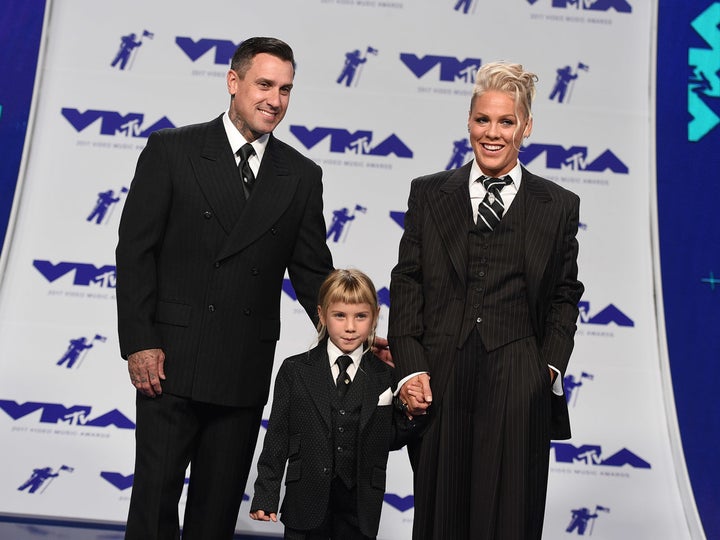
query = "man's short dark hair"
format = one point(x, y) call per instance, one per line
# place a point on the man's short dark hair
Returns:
point(248, 49)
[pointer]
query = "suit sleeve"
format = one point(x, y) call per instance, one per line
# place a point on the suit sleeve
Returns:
point(560, 321)
point(274, 455)
point(405, 324)
point(142, 227)
point(311, 260)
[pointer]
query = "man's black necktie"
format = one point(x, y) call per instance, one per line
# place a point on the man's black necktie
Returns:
point(491, 209)
point(343, 379)
point(244, 166)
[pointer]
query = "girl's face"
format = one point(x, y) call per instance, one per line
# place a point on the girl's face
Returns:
point(348, 325)
point(496, 133)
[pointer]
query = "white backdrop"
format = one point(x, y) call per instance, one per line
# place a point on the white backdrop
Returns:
point(66, 419)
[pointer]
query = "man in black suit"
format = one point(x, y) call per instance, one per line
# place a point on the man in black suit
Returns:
point(483, 316)
point(202, 253)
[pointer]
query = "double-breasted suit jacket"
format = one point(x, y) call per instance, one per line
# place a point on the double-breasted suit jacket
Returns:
point(300, 433)
point(429, 283)
point(200, 270)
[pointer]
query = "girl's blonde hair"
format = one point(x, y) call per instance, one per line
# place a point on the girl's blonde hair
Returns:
point(348, 286)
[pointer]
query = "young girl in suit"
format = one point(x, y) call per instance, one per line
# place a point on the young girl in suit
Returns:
point(331, 423)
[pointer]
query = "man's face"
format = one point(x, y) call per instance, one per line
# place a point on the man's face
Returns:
point(261, 97)
point(496, 132)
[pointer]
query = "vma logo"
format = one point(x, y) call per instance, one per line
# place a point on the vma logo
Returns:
point(574, 158)
point(84, 274)
point(605, 316)
point(359, 142)
point(403, 504)
point(223, 49)
point(451, 69)
point(621, 6)
point(75, 415)
point(591, 454)
point(113, 123)
point(705, 67)
point(119, 480)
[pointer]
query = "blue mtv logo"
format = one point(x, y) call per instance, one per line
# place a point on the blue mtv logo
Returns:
point(574, 158)
point(451, 69)
point(75, 415)
point(113, 123)
point(84, 274)
point(356, 142)
point(591, 454)
point(194, 50)
point(621, 6)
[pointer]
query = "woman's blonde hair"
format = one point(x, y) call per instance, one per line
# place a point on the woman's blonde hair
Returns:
point(511, 79)
point(348, 286)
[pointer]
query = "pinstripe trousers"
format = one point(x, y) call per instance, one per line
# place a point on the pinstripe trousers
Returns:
point(481, 470)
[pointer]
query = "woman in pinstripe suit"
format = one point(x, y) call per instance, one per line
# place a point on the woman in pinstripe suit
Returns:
point(483, 311)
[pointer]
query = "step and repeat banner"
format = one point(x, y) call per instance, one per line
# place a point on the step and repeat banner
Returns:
point(381, 95)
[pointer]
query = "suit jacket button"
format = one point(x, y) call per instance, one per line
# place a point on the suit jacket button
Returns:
point(247, 311)
point(341, 429)
point(211, 308)
point(340, 449)
point(326, 470)
point(207, 215)
point(217, 264)
point(341, 412)
point(254, 271)
point(478, 320)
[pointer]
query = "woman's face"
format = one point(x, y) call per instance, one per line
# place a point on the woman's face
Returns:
point(496, 132)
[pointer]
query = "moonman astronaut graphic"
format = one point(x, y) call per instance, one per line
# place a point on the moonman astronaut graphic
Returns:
point(104, 201)
point(581, 518)
point(127, 46)
point(38, 478)
point(464, 5)
point(563, 79)
point(460, 149)
point(341, 218)
point(353, 60)
point(76, 347)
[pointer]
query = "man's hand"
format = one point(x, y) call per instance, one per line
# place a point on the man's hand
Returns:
point(417, 395)
point(260, 515)
point(147, 370)
point(381, 349)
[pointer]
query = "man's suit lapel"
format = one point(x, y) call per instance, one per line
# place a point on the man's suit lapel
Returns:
point(272, 194)
point(314, 370)
point(450, 212)
point(217, 175)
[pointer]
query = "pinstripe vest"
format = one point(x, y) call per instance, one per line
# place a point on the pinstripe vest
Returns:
point(496, 301)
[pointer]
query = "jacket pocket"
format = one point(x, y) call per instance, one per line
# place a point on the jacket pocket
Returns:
point(294, 467)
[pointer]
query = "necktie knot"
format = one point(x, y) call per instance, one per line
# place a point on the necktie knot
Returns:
point(343, 362)
point(246, 150)
point(496, 184)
